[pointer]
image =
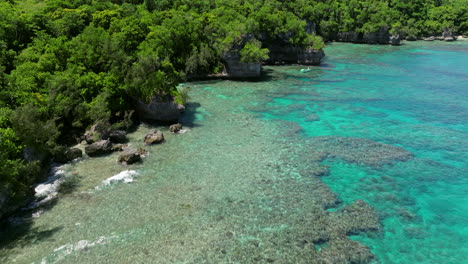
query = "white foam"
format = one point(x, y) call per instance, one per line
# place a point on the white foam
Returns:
point(48, 190)
point(124, 176)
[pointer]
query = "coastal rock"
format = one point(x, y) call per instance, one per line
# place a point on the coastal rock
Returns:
point(175, 128)
point(283, 53)
point(118, 136)
point(155, 137)
point(119, 147)
point(238, 69)
point(447, 34)
point(129, 156)
point(99, 148)
point(431, 38)
point(73, 153)
point(165, 111)
point(395, 40)
point(449, 39)
point(381, 36)
point(97, 132)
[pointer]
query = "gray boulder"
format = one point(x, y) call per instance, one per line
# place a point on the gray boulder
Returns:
point(118, 136)
point(175, 128)
point(119, 147)
point(155, 137)
point(99, 148)
point(129, 156)
point(73, 153)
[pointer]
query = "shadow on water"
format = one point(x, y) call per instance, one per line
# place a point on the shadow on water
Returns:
point(190, 115)
point(18, 235)
point(19, 231)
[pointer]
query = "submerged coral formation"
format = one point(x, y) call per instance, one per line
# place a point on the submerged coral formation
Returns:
point(360, 150)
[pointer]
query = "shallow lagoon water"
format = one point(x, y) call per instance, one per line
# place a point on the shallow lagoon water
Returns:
point(268, 170)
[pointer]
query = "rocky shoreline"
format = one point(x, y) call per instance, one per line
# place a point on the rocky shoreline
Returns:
point(102, 141)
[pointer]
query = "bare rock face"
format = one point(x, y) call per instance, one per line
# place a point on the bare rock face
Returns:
point(285, 54)
point(99, 148)
point(159, 110)
point(238, 69)
point(381, 36)
point(129, 156)
point(155, 137)
point(175, 128)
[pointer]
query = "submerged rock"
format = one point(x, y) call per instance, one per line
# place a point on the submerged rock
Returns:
point(99, 148)
point(360, 150)
point(155, 137)
point(175, 128)
point(129, 156)
point(312, 118)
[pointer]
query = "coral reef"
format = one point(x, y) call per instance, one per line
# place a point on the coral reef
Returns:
point(360, 150)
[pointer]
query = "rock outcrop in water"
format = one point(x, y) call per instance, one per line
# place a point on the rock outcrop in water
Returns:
point(155, 137)
point(175, 128)
point(99, 148)
point(129, 156)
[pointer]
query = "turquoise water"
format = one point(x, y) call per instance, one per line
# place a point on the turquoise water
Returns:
point(275, 171)
point(416, 97)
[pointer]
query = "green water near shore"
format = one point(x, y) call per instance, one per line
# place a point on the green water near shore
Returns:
point(248, 184)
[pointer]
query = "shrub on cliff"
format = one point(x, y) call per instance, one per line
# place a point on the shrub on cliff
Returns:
point(253, 52)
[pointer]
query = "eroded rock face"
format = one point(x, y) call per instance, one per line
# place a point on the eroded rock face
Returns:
point(99, 148)
point(381, 36)
point(238, 69)
point(155, 137)
point(159, 110)
point(129, 156)
point(281, 52)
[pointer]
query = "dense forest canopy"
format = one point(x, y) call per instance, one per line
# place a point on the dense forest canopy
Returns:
point(67, 64)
